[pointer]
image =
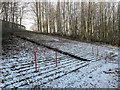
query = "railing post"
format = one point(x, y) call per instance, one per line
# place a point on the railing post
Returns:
point(92, 51)
point(35, 59)
point(97, 52)
point(56, 58)
point(44, 51)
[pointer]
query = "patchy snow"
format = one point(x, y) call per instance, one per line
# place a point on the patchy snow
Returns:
point(91, 76)
point(80, 49)
point(18, 68)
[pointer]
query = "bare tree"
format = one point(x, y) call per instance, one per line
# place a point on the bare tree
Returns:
point(88, 21)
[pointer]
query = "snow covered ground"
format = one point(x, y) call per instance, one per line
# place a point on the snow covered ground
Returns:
point(18, 69)
point(95, 75)
point(80, 49)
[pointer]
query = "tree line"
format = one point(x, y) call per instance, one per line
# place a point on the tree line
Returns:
point(86, 21)
point(13, 11)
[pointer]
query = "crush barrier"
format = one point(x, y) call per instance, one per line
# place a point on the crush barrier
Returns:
point(45, 52)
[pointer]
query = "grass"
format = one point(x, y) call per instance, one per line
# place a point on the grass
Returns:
point(77, 38)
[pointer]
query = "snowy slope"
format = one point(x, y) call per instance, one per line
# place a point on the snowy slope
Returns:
point(18, 69)
point(80, 49)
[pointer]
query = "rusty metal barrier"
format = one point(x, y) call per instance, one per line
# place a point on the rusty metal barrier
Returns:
point(44, 51)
